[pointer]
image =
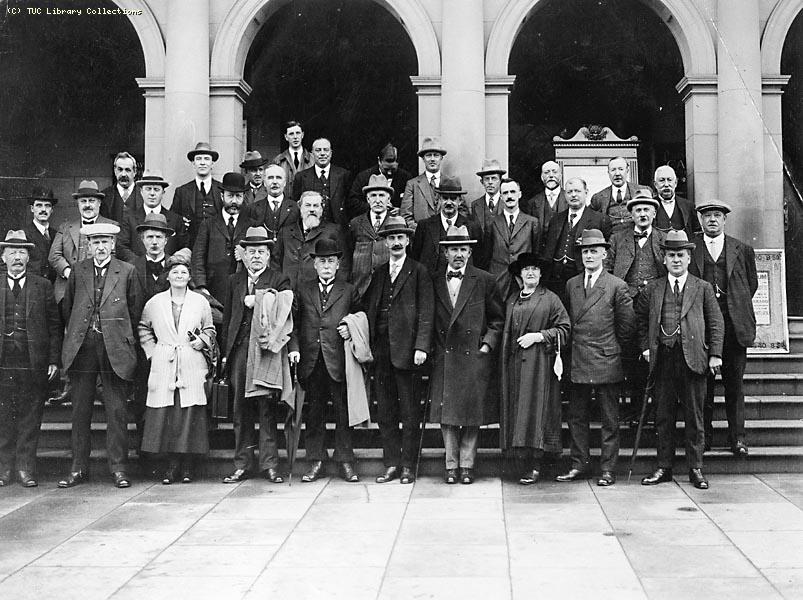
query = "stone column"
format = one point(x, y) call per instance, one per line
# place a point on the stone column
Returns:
point(463, 91)
point(186, 102)
point(227, 126)
point(154, 92)
point(699, 96)
point(428, 90)
point(756, 219)
point(497, 128)
point(772, 88)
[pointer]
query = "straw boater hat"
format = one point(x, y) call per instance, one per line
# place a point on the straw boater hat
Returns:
point(450, 186)
point(713, 204)
point(491, 166)
point(233, 182)
point(88, 188)
point(100, 229)
point(592, 237)
point(378, 182)
point(152, 178)
point(326, 246)
point(156, 221)
point(202, 148)
point(431, 144)
point(527, 259)
point(257, 236)
point(677, 240)
point(457, 236)
point(394, 225)
point(41, 194)
point(16, 239)
point(643, 195)
point(253, 159)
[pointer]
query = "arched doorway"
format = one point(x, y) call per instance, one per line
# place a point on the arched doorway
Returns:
point(343, 69)
point(614, 63)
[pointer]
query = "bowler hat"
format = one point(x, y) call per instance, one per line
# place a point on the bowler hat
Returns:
point(643, 195)
point(257, 236)
point(16, 239)
point(457, 236)
point(450, 186)
point(592, 237)
point(233, 182)
point(491, 166)
point(527, 259)
point(88, 188)
point(326, 246)
point(713, 204)
point(677, 240)
point(156, 221)
point(394, 225)
point(100, 229)
point(252, 160)
point(431, 144)
point(202, 148)
point(41, 194)
point(378, 182)
point(152, 178)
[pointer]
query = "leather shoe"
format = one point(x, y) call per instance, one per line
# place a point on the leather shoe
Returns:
point(186, 475)
point(529, 478)
point(236, 477)
point(407, 475)
point(61, 398)
point(73, 479)
point(660, 476)
point(466, 476)
point(120, 479)
point(698, 479)
point(273, 475)
point(314, 472)
point(450, 476)
point(26, 479)
point(170, 474)
point(739, 450)
point(5, 478)
point(607, 478)
point(389, 475)
point(348, 473)
point(572, 475)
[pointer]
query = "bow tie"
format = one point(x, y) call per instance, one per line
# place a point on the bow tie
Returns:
point(452, 274)
point(87, 222)
point(642, 235)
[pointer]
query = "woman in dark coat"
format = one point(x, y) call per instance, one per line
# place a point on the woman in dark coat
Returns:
point(535, 319)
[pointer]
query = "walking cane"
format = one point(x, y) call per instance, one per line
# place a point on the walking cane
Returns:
point(423, 424)
point(647, 389)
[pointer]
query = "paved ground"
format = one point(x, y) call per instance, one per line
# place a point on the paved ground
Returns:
point(742, 538)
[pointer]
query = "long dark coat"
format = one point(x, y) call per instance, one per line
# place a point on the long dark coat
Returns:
point(530, 404)
point(461, 392)
point(213, 255)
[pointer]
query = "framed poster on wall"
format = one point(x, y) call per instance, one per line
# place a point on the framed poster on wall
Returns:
point(769, 304)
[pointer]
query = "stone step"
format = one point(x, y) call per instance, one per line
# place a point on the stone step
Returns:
point(796, 342)
point(795, 325)
point(774, 363)
point(770, 384)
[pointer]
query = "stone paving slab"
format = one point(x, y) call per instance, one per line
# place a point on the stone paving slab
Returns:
point(332, 539)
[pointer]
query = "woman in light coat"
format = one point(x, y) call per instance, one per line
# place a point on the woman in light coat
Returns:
point(175, 331)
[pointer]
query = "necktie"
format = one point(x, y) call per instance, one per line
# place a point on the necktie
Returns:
point(99, 271)
point(448, 225)
point(432, 183)
point(377, 222)
point(454, 274)
point(203, 189)
point(125, 195)
point(230, 227)
point(491, 205)
point(274, 205)
point(323, 179)
point(295, 160)
point(324, 287)
point(251, 285)
point(572, 217)
point(512, 224)
point(619, 196)
point(46, 234)
point(394, 270)
point(15, 286)
point(677, 290)
point(588, 284)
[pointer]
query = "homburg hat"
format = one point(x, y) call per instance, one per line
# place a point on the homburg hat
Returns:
point(252, 160)
point(202, 148)
point(491, 166)
point(257, 236)
point(156, 221)
point(431, 144)
point(643, 195)
point(16, 239)
point(394, 225)
point(457, 236)
point(88, 188)
point(378, 182)
point(677, 240)
point(592, 237)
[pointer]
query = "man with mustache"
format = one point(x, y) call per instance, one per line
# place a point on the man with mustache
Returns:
point(276, 210)
point(674, 212)
point(121, 196)
point(612, 201)
point(387, 165)
point(39, 232)
point(550, 200)
point(370, 250)
point(253, 167)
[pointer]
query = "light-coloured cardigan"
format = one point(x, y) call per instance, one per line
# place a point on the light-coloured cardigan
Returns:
point(174, 363)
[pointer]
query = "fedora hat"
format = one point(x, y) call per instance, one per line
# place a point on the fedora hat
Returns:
point(592, 237)
point(326, 246)
point(378, 182)
point(16, 239)
point(202, 148)
point(677, 240)
point(394, 225)
point(152, 178)
point(457, 236)
point(431, 144)
point(257, 236)
point(491, 166)
point(41, 194)
point(155, 221)
point(233, 182)
point(88, 188)
point(712, 205)
point(643, 195)
point(450, 186)
point(252, 160)
point(527, 259)
point(100, 229)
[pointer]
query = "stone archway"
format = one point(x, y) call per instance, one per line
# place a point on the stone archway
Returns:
point(150, 36)
point(774, 35)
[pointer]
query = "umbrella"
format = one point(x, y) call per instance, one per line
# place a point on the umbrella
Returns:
point(642, 417)
point(292, 424)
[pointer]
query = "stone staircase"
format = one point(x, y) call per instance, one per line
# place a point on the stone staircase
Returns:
point(774, 423)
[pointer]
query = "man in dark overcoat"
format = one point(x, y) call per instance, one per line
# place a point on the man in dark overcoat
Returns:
point(729, 265)
point(253, 167)
point(399, 306)
point(39, 232)
point(467, 328)
point(603, 323)
point(121, 196)
point(200, 198)
point(681, 332)
point(277, 210)
point(102, 306)
point(369, 249)
point(612, 201)
point(29, 356)
point(674, 211)
point(549, 201)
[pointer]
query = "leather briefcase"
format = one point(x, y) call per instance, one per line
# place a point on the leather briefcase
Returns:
point(220, 399)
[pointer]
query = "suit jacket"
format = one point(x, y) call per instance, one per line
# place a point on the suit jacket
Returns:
point(701, 326)
point(623, 251)
point(686, 207)
point(369, 251)
point(39, 263)
point(590, 219)
point(481, 214)
point(427, 250)
point(41, 321)
point(503, 247)
point(602, 324)
point(603, 198)
point(539, 207)
point(120, 309)
point(213, 256)
point(291, 254)
point(315, 329)
point(419, 201)
point(129, 244)
point(337, 206)
point(398, 182)
point(252, 196)
point(64, 251)
point(147, 284)
point(113, 207)
point(262, 214)
point(740, 263)
point(285, 160)
point(185, 206)
point(233, 304)
point(410, 314)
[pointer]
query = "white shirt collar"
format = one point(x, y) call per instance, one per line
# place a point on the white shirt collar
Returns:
point(594, 276)
point(156, 260)
point(443, 221)
point(276, 200)
point(121, 190)
point(257, 275)
point(155, 210)
point(579, 213)
point(207, 182)
point(461, 270)
point(494, 198)
point(104, 264)
point(398, 262)
point(681, 280)
point(227, 216)
point(381, 216)
point(717, 239)
point(515, 215)
point(436, 175)
point(324, 170)
point(649, 230)
point(21, 279)
point(41, 228)
point(328, 284)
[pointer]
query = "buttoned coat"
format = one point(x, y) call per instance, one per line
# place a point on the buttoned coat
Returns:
point(369, 251)
point(337, 207)
point(315, 328)
point(622, 252)
point(481, 214)
point(427, 250)
point(39, 263)
point(419, 201)
point(42, 322)
point(120, 310)
point(285, 161)
point(129, 243)
point(690, 220)
point(603, 198)
point(503, 247)
point(114, 207)
point(460, 386)
point(184, 205)
point(213, 256)
point(590, 219)
point(64, 251)
point(740, 264)
point(702, 328)
point(291, 254)
point(410, 314)
point(262, 215)
point(539, 207)
point(397, 182)
point(602, 324)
